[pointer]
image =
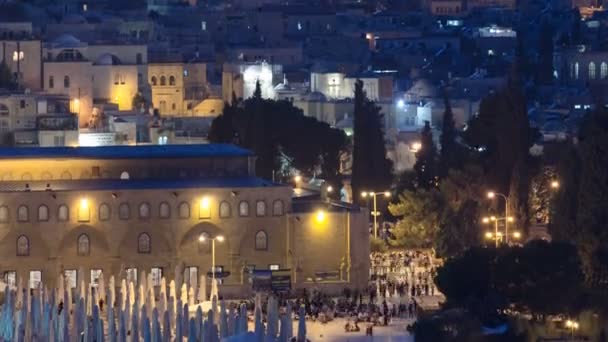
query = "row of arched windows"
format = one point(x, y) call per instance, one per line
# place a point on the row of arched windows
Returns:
point(144, 244)
point(591, 71)
point(144, 212)
point(163, 80)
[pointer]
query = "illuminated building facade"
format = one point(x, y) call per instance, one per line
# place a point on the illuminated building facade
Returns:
point(152, 208)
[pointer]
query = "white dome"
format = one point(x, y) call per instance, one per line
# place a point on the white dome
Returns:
point(107, 59)
point(67, 40)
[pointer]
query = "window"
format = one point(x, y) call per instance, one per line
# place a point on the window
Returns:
point(22, 104)
point(603, 70)
point(23, 214)
point(84, 211)
point(244, 208)
point(3, 214)
point(124, 175)
point(138, 58)
point(204, 208)
point(157, 274)
point(173, 106)
point(95, 275)
point(184, 210)
point(225, 209)
point(63, 213)
point(124, 212)
point(10, 278)
point(35, 279)
point(132, 275)
point(204, 25)
point(104, 212)
point(116, 78)
point(164, 210)
point(43, 213)
point(144, 211)
point(274, 267)
point(261, 241)
point(66, 81)
point(171, 80)
point(153, 80)
point(51, 82)
point(59, 140)
point(143, 243)
point(70, 277)
point(592, 70)
point(277, 208)
point(204, 243)
point(576, 71)
point(191, 276)
point(260, 208)
point(163, 80)
point(23, 246)
point(83, 247)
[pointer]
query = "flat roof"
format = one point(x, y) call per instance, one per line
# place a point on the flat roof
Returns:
point(126, 152)
point(132, 184)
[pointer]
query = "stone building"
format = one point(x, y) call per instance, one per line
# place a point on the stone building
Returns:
point(126, 209)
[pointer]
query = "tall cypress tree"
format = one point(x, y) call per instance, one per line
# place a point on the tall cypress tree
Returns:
point(426, 159)
point(449, 157)
point(371, 169)
point(545, 57)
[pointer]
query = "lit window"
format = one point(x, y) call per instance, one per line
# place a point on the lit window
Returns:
point(244, 208)
point(576, 71)
point(603, 70)
point(274, 267)
point(85, 7)
point(124, 211)
point(104, 212)
point(184, 210)
point(43, 213)
point(261, 241)
point(277, 208)
point(35, 279)
point(23, 246)
point(204, 208)
point(144, 211)
point(84, 210)
point(164, 210)
point(143, 243)
point(260, 208)
point(132, 275)
point(10, 278)
point(157, 274)
point(204, 25)
point(84, 245)
point(224, 209)
point(70, 277)
point(23, 214)
point(95, 275)
point(592, 70)
point(3, 214)
point(63, 213)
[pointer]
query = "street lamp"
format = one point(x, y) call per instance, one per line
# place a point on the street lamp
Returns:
point(572, 325)
point(489, 235)
point(297, 179)
point(320, 216)
point(219, 238)
point(374, 195)
point(491, 195)
point(416, 146)
point(555, 184)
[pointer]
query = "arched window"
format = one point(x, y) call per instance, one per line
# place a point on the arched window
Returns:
point(124, 175)
point(184, 210)
point(277, 208)
point(144, 211)
point(163, 80)
point(43, 213)
point(83, 246)
point(260, 208)
point(591, 70)
point(66, 81)
point(23, 246)
point(603, 70)
point(23, 214)
point(63, 213)
point(51, 82)
point(164, 210)
point(143, 243)
point(225, 209)
point(261, 241)
point(3, 214)
point(172, 80)
point(576, 71)
point(124, 211)
point(104, 212)
point(153, 80)
point(244, 208)
point(46, 176)
point(84, 211)
point(204, 243)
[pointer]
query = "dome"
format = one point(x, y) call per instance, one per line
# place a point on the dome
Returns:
point(66, 40)
point(422, 88)
point(73, 19)
point(107, 59)
point(316, 96)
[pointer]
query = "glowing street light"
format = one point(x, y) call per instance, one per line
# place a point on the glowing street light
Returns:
point(374, 195)
point(219, 238)
point(491, 195)
point(320, 216)
point(572, 325)
point(555, 184)
point(329, 189)
point(517, 235)
point(416, 146)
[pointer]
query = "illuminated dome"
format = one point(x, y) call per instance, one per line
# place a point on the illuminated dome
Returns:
point(107, 59)
point(67, 41)
point(316, 96)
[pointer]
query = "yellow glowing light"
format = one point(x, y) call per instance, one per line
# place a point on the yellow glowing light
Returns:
point(205, 202)
point(320, 216)
point(485, 220)
point(84, 203)
point(416, 146)
point(489, 235)
point(202, 238)
point(330, 188)
point(510, 219)
point(220, 238)
point(491, 194)
point(297, 178)
point(555, 184)
point(364, 194)
point(517, 235)
point(492, 218)
point(387, 194)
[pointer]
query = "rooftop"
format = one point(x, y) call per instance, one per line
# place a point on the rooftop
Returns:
point(126, 152)
point(143, 184)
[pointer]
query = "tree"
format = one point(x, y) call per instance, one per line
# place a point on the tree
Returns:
point(139, 102)
point(257, 93)
point(371, 168)
point(426, 159)
point(222, 128)
point(545, 51)
point(7, 81)
point(576, 33)
point(449, 157)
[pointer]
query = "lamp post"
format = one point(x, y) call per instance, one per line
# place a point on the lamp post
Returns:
point(572, 325)
point(374, 195)
point(498, 235)
point(219, 238)
point(492, 194)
